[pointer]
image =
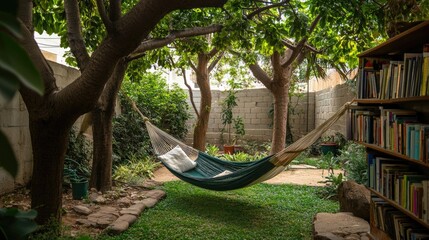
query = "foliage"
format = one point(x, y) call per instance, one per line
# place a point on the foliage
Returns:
point(165, 106)
point(353, 159)
point(242, 157)
point(78, 157)
point(247, 213)
point(332, 181)
point(227, 115)
point(16, 224)
point(16, 70)
point(212, 150)
point(137, 169)
point(257, 148)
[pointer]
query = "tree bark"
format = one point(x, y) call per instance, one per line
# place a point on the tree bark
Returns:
point(200, 130)
point(101, 173)
point(49, 140)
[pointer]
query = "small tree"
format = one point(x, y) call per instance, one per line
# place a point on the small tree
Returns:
point(227, 116)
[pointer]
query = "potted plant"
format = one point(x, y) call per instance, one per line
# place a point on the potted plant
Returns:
point(331, 143)
point(78, 179)
point(229, 121)
point(77, 165)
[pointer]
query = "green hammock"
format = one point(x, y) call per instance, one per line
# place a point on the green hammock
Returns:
point(242, 174)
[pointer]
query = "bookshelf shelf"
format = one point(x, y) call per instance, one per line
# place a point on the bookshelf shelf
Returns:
point(391, 120)
point(394, 154)
point(392, 101)
point(405, 211)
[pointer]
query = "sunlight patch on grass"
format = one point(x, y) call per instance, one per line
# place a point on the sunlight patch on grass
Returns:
point(259, 212)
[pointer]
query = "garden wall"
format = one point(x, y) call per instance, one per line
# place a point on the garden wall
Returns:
point(328, 101)
point(14, 123)
point(254, 107)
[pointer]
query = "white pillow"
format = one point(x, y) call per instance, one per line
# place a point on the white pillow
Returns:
point(177, 159)
point(226, 172)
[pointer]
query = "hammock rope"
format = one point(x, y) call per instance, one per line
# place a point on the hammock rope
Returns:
point(243, 173)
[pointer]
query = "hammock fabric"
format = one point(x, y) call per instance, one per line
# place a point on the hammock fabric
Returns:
point(242, 174)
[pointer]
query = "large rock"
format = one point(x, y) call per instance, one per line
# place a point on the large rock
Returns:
point(337, 226)
point(354, 198)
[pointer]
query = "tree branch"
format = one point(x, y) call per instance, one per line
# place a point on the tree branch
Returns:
point(215, 62)
point(191, 94)
point(193, 66)
point(213, 52)
point(115, 10)
point(301, 43)
point(261, 75)
point(160, 42)
point(81, 95)
point(74, 32)
point(106, 21)
point(259, 10)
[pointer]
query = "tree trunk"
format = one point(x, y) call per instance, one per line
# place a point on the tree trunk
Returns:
point(202, 123)
point(49, 141)
point(101, 174)
point(280, 92)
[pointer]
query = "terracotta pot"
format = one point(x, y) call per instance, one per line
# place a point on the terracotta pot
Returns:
point(228, 149)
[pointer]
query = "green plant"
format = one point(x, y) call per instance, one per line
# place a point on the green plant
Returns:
point(257, 148)
point(242, 157)
point(212, 150)
point(165, 106)
point(227, 116)
point(137, 169)
point(332, 182)
point(77, 161)
point(353, 159)
point(16, 224)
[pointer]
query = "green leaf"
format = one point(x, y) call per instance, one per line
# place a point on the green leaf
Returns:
point(9, 84)
point(9, 22)
point(16, 61)
point(8, 161)
point(16, 224)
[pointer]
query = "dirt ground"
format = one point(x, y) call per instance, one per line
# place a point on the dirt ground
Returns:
point(298, 174)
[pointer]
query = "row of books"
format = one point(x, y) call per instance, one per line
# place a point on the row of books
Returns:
point(393, 129)
point(396, 180)
point(386, 79)
point(393, 222)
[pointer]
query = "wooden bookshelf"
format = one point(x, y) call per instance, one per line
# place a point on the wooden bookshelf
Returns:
point(391, 80)
point(397, 206)
point(394, 154)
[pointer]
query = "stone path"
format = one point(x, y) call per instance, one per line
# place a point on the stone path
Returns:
point(125, 212)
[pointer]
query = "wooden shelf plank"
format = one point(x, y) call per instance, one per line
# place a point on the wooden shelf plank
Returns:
point(393, 100)
point(393, 153)
point(400, 208)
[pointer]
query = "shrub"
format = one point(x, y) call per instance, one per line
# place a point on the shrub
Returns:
point(136, 170)
point(77, 163)
point(165, 107)
point(353, 159)
point(212, 150)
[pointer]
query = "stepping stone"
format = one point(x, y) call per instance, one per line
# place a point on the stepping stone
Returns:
point(82, 210)
point(127, 218)
point(156, 194)
point(102, 219)
point(86, 222)
point(342, 225)
point(135, 212)
point(118, 227)
point(150, 184)
point(149, 202)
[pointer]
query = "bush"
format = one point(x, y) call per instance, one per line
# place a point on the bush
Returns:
point(136, 170)
point(165, 107)
point(77, 163)
point(353, 159)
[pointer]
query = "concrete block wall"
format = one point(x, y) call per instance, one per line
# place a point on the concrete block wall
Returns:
point(14, 123)
point(253, 106)
point(327, 102)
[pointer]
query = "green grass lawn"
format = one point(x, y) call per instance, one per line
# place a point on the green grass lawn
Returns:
point(259, 212)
